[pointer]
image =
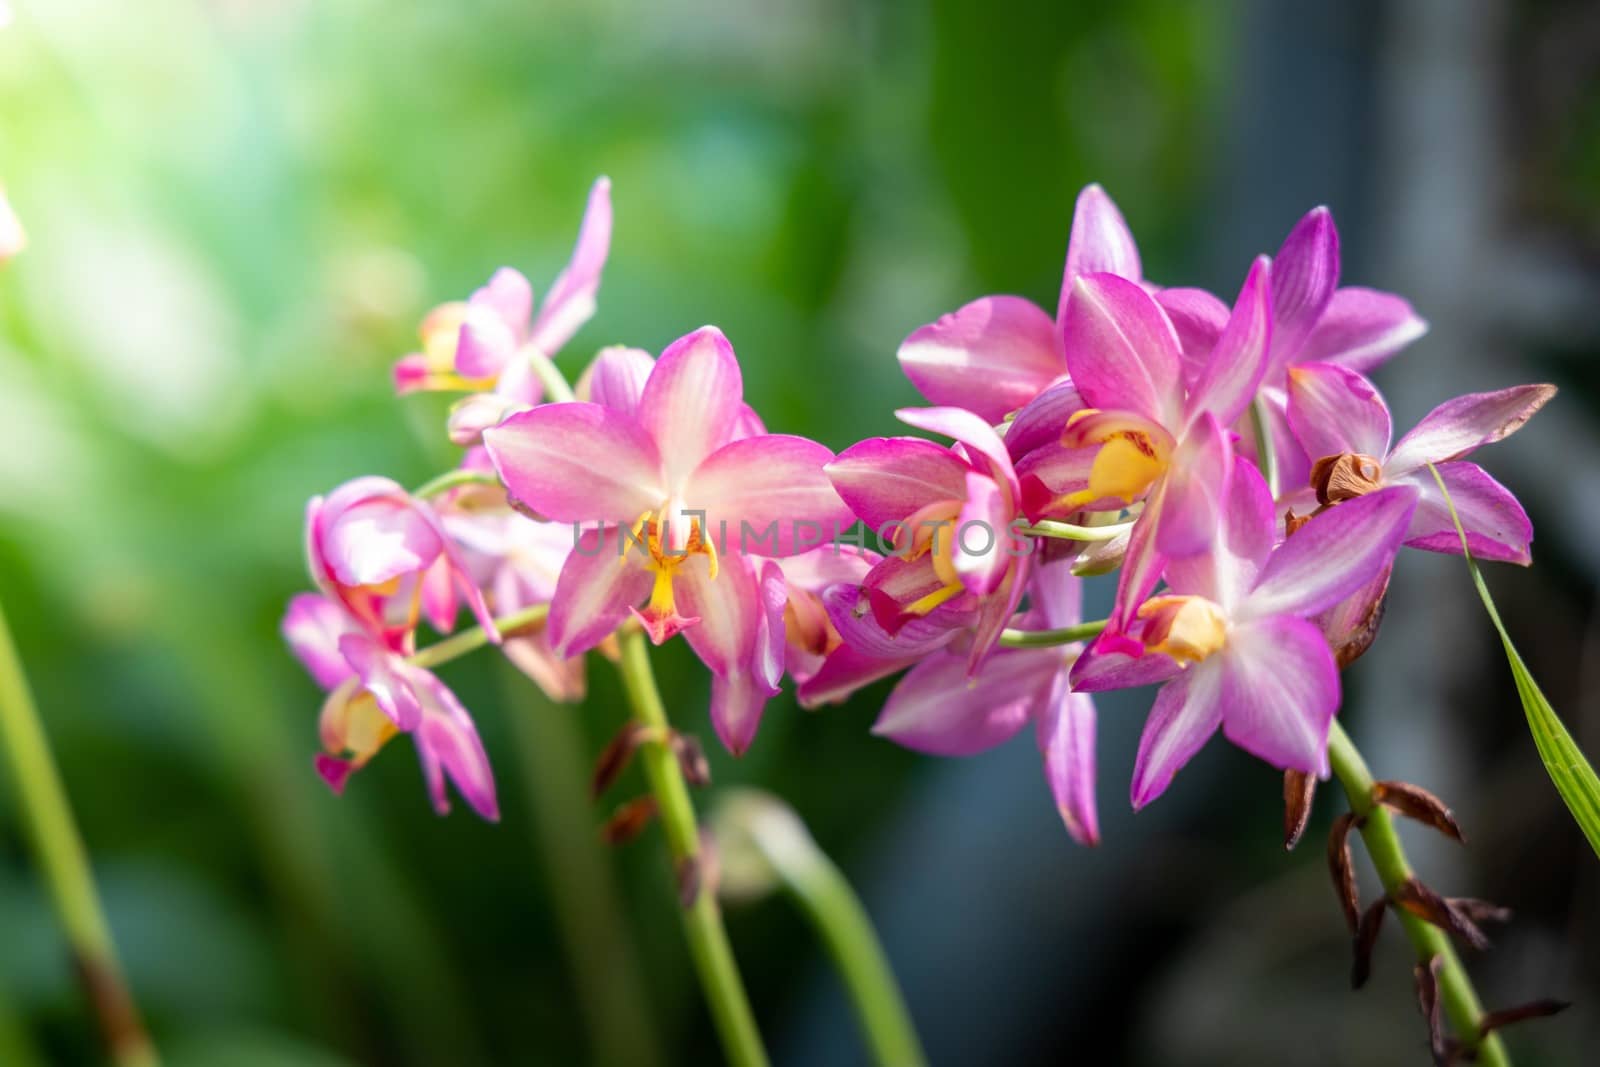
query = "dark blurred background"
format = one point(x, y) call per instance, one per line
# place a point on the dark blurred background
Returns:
point(240, 209)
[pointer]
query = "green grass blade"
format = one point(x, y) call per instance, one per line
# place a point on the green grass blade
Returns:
point(1574, 778)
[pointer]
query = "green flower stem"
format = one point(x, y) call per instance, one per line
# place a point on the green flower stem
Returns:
point(451, 479)
point(821, 890)
point(1456, 995)
point(1066, 531)
point(702, 920)
point(58, 849)
point(555, 384)
point(457, 645)
point(1266, 457)
point(1045, 638)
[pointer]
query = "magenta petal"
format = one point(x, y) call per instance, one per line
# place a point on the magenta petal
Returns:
point(1305, 273)
point(1141, 568)
point(336, 772)
point(509, 296)
point(1100, 243)
point(1122, 351)
point(736, 706)
point(983, 543)
point(439, 596)
point(1065, 729)
point(1050, 472)
point(1361, 329)
point(602, 580)
point(976, 436)
point(485, 345)
point(995, 612)
point(730, 609)
point(770, 494)
point(383, 674)
point(1280, 690)
point(1334, 554)
point(1196, 490)
point(571, 299)
point(1333, 409)
point(768, 661)
point(375, 534)
point(843, 673)
point(616, 378)
point(1186, 713)
point(1199, 319)
point(693, 400)
point(991, 356)
point(1497, 527)
point(859, 613)
point(1459, 426)
point(1056, 595)
point(1039, 423)
point(577, 463)
point(885, 480)
point(1228, 384)
point(1115, 662)
point(1245, 537)
point(448, 747)
point(937, 709)
point(312, 626)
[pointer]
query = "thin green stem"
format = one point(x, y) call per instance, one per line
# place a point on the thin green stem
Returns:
point(702, 918)
point(1066, 635)
point(1461, 1004)
point(457, 645)
point(59, 851)
point(1266, 456)
point(821, 890)
point(550, 376)
point(451, 479)
point(1066, 531)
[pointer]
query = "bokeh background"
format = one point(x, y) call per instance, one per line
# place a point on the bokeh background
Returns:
point(239, 209)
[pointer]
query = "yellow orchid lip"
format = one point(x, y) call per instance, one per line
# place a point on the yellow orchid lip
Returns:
point(1133, 454)
point(649, 531)
point(1187, 628)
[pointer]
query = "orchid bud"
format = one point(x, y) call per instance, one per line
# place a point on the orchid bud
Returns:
point(473, 414)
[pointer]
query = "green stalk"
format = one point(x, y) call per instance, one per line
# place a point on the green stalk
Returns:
point(1460, 1001)
point(550, 376)
point(59, 851)
point(451, 479)
point(702, 919)
point(1066, 635)
point(1266, 457)
point(1066, 531)
point(458, 645)
point(787, 850)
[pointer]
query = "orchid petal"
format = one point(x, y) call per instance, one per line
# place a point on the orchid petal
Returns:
point(1334, 554)
point(1333, 409)
point(1305, 273)
point(1141, 567)
point(977, 436)
point(1065, 729)
point(571, 300)
point(885, 480)
point(509, 296)
point(1457, 427)
point(1361, 329)
point(561, 679)
point(768, 661)
point(1100, 243)
point(772, 492)
point(1121, 350)
point(601, 582)
point(1199, 318)
point(616, 377)
point(439, 595)
point(312, 626)
point(1115, 662)
point(737, 702)
point(729, 607)
point(937, 709)
point(995, 612)
point(1186, 713)
point(486, 345)
point(1039, 422)
point(448, 747)
point(375, 534)
point(383, 674)
point(1196, 489)
point(1280, 690)
point(692, 400)
point(1228, 384)
point(991, 356)
point(1496, 525)
point(844, 672)
point(982, 548)
point(1246, 534)
point(577, 463)
point(860, 613)
point(1053, 471)
point(1056, 594)
point(828, 565)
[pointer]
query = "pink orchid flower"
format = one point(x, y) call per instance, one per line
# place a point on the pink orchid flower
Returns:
point(936, 708)
point(1144, 437)
point(488, 342)
point(387, 559)
point(1231, 638)
point(686, 497)
point(1342, 423)
point(954, 515)
point(1313, 321)
point(999, 352)
point(13, 239)
point(374, 695)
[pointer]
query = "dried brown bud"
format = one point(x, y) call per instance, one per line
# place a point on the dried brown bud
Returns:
point(1415, 802)
point(616, 756)
point(1429, 906)
point(1427, 979)
point(692, 759)
point(700, 872)
point(1355, 635)
point(1345, 477)
point(1366, 939)
point(1479, 911)
point(1293, 522)
point(1298, 790)
point(630, 819)
point(1534, 1009)
point(1342, 867)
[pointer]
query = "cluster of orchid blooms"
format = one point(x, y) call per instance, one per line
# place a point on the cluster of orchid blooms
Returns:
point(1233, 465)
